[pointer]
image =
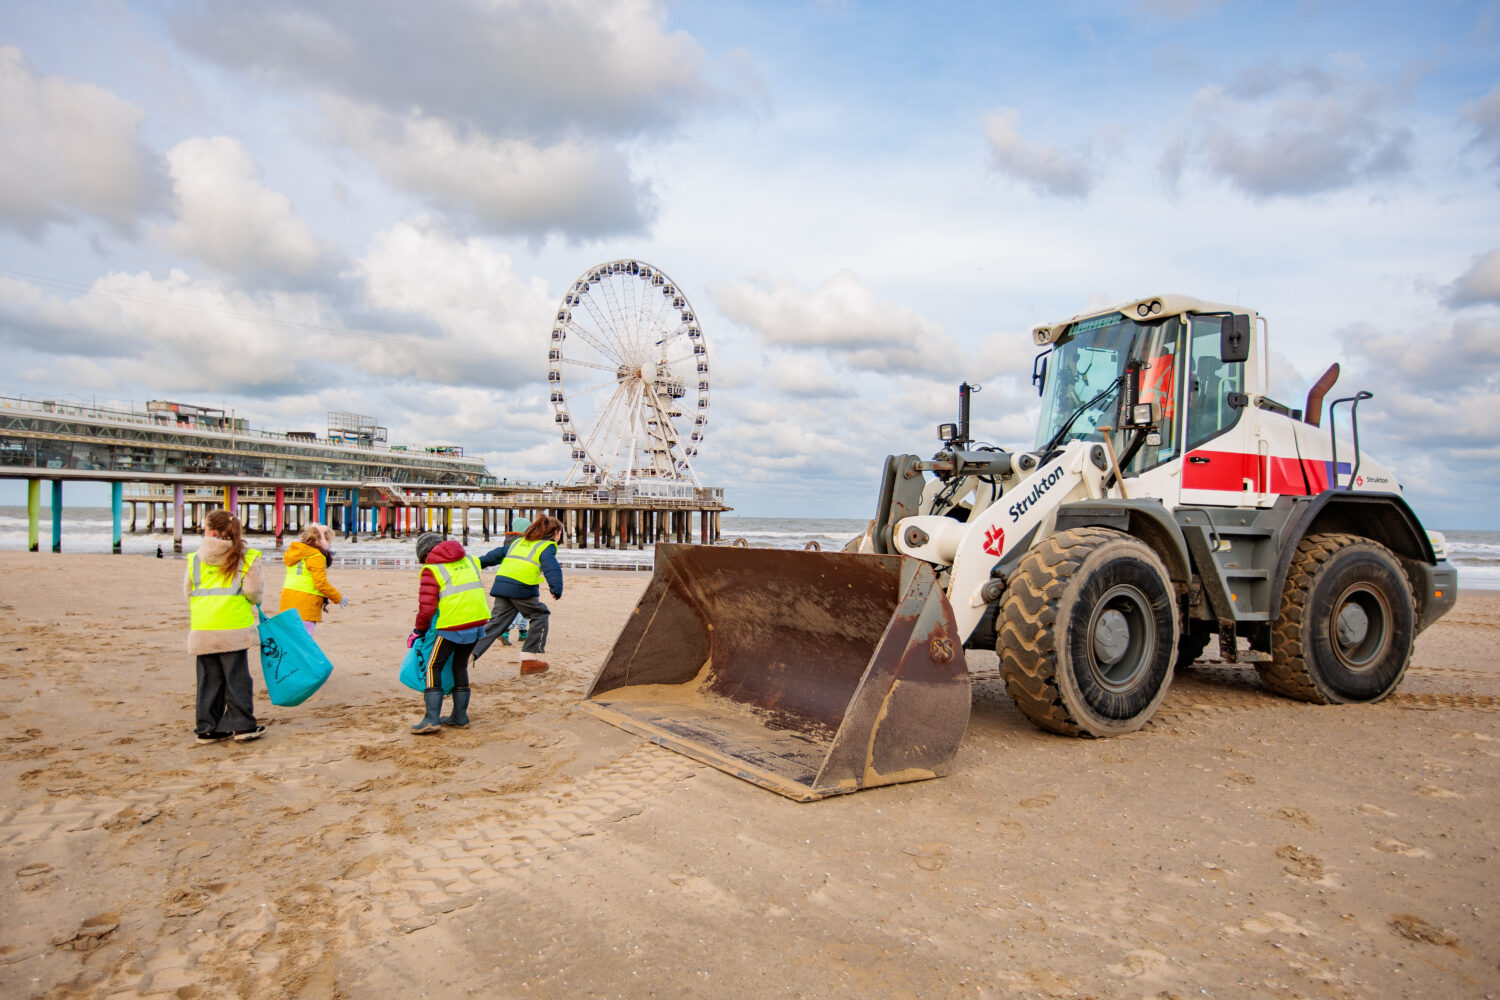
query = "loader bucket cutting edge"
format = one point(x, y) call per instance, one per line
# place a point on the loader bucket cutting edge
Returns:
point(808, 673)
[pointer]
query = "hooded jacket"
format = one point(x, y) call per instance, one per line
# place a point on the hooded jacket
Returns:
point(212, 552)
point(309, 606)
point(504, 586)
point(429, 591)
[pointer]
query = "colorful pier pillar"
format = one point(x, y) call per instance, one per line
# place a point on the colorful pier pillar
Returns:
point(322, 498)
point(177, 518)
point(57, 508)
point(280, 513)
point(234, 501)
point(33, 514)
point(353, 522)
point(116, 501)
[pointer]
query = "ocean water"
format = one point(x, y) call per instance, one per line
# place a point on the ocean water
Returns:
point(87, 529)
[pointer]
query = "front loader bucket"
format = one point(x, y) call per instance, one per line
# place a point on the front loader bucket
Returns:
point(808, 673)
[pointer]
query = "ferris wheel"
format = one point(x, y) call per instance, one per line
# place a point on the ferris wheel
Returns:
point(627, 375)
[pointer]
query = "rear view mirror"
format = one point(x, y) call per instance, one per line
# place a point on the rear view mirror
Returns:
point(1234, 338)
point(1039, 371)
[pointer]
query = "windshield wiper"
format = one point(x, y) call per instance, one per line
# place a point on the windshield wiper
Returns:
point(1063, 431)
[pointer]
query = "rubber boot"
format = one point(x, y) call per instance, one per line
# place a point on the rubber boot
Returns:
point(434, 699)
point(460, 717)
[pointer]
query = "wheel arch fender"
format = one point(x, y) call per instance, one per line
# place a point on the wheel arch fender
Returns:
point(1145, 519)
point(1381, 517)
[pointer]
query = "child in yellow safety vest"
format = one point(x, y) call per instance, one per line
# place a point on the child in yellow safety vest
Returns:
point(223, 586)
point(523, 566)
point(450, 599)
point(307, 588)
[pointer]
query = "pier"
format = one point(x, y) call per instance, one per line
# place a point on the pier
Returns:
point(172, 463)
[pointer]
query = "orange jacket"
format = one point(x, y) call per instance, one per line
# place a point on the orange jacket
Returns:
point(309, 606)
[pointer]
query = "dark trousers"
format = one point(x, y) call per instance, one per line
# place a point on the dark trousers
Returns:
point(445, 649)
point(504, 611)
point(226, 694)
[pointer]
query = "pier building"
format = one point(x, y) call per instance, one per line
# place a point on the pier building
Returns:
point(182, 460)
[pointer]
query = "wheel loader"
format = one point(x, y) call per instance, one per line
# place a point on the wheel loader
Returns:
point(1165, 501)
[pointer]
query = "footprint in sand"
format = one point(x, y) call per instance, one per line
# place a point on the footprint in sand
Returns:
point(1414, 928)
point(1040, 801)
point(1274, 922)
point(1294, 815)
point(1390, 845)
point(1300, 863)
point(1437, 792)
point(1143, 962)
point(929, 857)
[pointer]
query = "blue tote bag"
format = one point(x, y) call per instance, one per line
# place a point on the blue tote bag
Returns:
point(293, 665)
point(414, 666)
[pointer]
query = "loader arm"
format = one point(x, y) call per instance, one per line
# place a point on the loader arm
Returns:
point(972, 549)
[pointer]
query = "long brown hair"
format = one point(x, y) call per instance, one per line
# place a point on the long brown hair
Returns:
point(542, 528)
point(228, 528)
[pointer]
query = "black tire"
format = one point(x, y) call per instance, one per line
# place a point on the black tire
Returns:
point(1193, 641)
point(1347, 623)
point(1088, 633)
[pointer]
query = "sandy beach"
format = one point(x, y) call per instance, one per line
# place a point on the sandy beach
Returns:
point(1242, 845)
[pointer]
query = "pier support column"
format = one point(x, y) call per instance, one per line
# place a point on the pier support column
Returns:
point(133, 507)
point(57, 509)
point(351, 526)
point(150, 516)
point(33, 514)
point(280, 513)
point(116, 501)
point(233, 503)
point(177, 517)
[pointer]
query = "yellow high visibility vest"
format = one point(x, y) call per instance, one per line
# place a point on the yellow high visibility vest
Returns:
point(216, 600)
point(460, 593)
point(298, 577)
point(523, 562)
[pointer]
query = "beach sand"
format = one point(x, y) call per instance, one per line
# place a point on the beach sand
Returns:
point(1242, 845)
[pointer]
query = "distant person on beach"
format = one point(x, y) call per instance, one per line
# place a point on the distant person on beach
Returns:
point(223, 586)
point(518, 526)
point(450, 598)
point(306, 587)
point(158, 553)
point(517, 588)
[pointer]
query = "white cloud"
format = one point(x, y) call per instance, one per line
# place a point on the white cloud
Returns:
point(1046, 169)
point(845, 319)
point(1484, 115)
point(229, 219)
point(444, 312)
point(1479, 285)
point(504, 67)
point(491, 322)
point(69, 149)
point(1293, 132)
point(514, 186)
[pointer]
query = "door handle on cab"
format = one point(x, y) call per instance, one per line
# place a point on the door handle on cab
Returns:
point(1198, 459)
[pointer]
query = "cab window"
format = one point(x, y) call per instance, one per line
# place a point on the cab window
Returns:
point(1209, 383)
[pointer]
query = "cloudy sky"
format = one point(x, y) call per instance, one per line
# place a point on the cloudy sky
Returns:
point(287, 208)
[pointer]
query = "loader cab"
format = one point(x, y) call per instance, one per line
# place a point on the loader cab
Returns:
point(1080, 382)
point(1185, 375)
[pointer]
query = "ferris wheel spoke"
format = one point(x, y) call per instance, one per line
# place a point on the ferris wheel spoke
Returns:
point(628, 346)
point(605, 335)
point(599, 344)
point(575, 363)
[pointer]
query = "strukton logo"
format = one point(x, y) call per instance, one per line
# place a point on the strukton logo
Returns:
point(994, 540)
point(1037, 492)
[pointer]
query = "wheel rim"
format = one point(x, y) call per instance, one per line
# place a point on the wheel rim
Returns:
point(1360, 627)
point(1122, 638)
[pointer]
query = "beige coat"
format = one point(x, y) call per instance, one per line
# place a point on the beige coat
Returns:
point(213, 551)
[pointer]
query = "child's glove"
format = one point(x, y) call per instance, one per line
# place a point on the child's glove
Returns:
point(411, 640)
point(344, 603)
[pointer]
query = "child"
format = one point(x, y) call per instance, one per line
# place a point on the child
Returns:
point(524, 563)
point(307, 588)
point(223, 586)
point(450, 598)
